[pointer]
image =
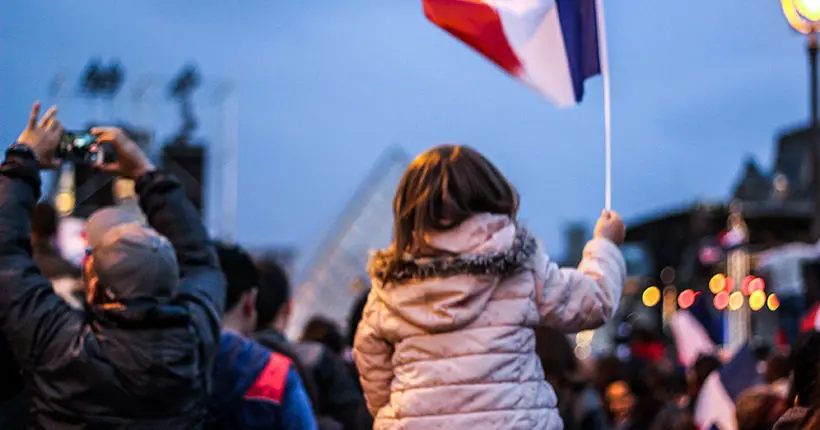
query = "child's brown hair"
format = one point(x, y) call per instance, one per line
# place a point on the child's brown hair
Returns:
point(443, 187)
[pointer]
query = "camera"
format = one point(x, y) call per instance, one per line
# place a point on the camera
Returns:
point(79, 148)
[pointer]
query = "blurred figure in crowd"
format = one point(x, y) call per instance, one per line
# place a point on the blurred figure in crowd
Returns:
point(805, 393)
point(326, 332)
point(759, 408)
point(253, 387)
point(353, 320)
point(778, 371)
point(579, 404)
point(64, 276)
point(672, 389)
point(647, 402)
point(620, 405)
point(610, 369)
point(140, 355)
point(336, 400)
point(782, 265)
point(696, 376)
point(813, 422)
point(446, 336)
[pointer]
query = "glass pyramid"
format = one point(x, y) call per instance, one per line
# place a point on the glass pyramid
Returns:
point(330, 281)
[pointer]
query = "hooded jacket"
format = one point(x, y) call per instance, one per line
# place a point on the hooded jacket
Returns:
point(448, 342)
point(334, 392)
point(255, 388)
point(138, 364)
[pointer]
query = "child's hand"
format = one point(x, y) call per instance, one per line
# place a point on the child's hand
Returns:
point(610, 226)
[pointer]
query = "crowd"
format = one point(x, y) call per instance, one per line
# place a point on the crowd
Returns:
point(464, 325)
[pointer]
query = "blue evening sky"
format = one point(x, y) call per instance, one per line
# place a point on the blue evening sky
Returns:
point(326, 85)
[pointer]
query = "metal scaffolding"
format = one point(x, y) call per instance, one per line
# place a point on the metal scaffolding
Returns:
point(142, 95)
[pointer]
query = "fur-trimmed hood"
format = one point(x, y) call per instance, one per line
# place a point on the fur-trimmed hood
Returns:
point(448, 292)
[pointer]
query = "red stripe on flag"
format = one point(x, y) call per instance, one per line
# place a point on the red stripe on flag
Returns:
point(476, 24)
point(270, 384)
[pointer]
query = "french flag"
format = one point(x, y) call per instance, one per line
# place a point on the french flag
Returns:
point(550, 45)
point(715, 408)
point(691, 339)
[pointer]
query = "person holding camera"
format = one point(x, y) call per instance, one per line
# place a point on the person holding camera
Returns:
point(138, 355)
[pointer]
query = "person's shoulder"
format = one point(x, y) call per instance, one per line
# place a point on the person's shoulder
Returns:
point(270, 383)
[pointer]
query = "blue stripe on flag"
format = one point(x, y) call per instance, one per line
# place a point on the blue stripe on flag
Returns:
point(740, 373)
point(579, 25)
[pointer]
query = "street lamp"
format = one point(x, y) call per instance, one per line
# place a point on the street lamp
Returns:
point(804, 16)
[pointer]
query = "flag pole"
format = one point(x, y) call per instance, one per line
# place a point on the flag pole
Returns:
point(604, 62)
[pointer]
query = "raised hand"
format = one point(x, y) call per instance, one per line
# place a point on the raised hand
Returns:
point(131, 160)
point(610, 226)
point(43, 137)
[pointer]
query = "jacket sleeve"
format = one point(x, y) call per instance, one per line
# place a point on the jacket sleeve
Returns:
point(373, 357)
point(297, 413)
point(584, 298)
point(163, 200)
point(36, 323)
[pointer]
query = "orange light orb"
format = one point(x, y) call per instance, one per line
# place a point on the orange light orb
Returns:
point(686, 299)
point(744, 286)
point(730, 284)
point(651, 296)
point(735, 301)
point(773, 302)
point(717, 283)
point(721, 300)
point(757, 285)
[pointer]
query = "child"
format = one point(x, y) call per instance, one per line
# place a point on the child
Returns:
point(446, 339)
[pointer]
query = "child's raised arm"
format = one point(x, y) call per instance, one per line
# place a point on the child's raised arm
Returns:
point(373, 357)
point(585, 298)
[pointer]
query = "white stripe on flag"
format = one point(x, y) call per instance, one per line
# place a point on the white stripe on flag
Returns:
point(715, 406)
point(533, 31)
point(691, 339)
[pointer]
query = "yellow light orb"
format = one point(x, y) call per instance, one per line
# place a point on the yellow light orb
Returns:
point(773, 302)
point(808, 9)
point(651, 296)
point(757, 300)
point(584, 337)
point(735, 301)
point(802, 15)
point(583, 352)
point(717, 283)
point(64, 202)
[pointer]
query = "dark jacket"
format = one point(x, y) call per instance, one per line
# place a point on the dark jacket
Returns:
point(337, 395)
point(51, 264)
point(255, 388)
point(143, 366)
point(794, 419)
point(581, 408)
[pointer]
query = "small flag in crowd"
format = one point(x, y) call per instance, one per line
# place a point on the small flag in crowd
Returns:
point(691, 339)
point(811, 321)
point(715, 408)
point(551, 45)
